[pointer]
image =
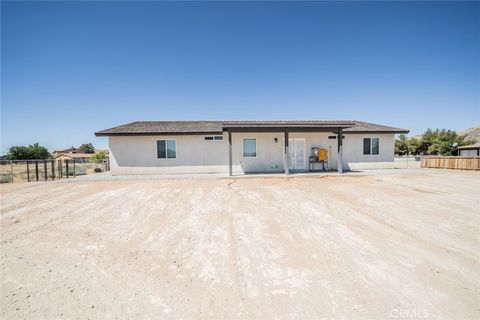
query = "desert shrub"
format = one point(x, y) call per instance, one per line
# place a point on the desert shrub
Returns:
point(99, 157)
point(5, 177)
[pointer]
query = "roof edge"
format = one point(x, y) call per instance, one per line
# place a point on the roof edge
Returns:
point(105, 134)
point(349, 126)
point(399, 131)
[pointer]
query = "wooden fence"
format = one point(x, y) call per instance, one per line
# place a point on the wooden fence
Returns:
point(459, 163)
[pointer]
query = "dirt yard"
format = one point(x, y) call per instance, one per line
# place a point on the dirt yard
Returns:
point(380, 246)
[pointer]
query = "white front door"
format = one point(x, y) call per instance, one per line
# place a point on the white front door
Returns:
point(296, 154)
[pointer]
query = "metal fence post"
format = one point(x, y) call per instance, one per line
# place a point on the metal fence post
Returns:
point(36, 170)
point(45, 173)
point(28, 172)
point(74, 168)
point(66, 167)
point(11, 168)
point(60, 167)
point(53, 169)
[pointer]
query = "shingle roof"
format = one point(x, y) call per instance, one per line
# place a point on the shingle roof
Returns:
point(69, 150)
point(361, 126)
point(156, 127)
point(195, 127)
point(74, 155)
point(287, 123)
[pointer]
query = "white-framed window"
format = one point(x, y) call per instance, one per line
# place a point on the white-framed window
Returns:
point(371, 146)
point(213, 138)
point(249, 148)
point(166, 149)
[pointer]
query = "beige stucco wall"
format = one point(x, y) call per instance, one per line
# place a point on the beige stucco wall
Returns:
point(320, 140)
point(354, 159)
point(138, 154)
point(269, 153)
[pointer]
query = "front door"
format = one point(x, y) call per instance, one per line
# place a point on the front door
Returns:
point(296, 154)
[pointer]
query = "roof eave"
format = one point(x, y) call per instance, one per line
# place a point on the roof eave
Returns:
point(469, 147)
point(290, 126)
point(168, 133)
point(378, 131)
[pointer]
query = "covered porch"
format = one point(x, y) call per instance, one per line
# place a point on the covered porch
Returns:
point(296, 141)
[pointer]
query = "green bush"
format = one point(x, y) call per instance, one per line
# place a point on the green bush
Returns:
point(433, 142)
point(33, 151)
point(99, 157)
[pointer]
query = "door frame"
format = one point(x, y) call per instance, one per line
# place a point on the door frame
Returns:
point(291, 151)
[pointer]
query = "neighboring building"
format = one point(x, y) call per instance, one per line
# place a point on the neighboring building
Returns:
point(471, 150)
point(79, 157)
point(72, 153)
point(150, 147)
point(71, 150)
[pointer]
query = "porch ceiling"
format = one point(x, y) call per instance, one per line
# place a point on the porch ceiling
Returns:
point(292, 126)
point(282, 129)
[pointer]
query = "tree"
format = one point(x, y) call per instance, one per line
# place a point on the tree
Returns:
point(435, 142)
point(445, 142)
point(426, 141)
point(99, 156)
point(33, 151)
point(413, 145)
point(401, 145)
point(87, 148)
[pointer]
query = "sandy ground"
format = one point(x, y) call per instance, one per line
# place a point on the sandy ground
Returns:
point(344, 247)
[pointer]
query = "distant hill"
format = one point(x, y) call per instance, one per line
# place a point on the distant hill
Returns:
point(472, 133)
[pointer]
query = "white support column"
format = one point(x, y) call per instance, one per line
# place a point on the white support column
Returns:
point(285, 151)
point(340, 147)
point(230, 173)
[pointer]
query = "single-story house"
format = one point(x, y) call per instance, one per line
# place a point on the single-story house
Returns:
point(235, 147)
point(72, 153)
point(79, 157)
point(472, 150)
point(67, 151)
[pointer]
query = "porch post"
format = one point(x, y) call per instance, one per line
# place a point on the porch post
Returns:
point(285, 153)
point(339, 158)
point(230, 151)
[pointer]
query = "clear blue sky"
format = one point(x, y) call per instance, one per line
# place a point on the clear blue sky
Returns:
point(70, 69)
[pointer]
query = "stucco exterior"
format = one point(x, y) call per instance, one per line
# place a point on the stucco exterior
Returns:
point(354, 159)
point(137, 154)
